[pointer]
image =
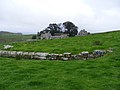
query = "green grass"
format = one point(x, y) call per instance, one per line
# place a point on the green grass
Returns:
point(98, 74)
point(7, 38)
point(74, 45)
point(10, 38)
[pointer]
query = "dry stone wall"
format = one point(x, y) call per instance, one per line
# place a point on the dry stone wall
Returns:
point(47, 56)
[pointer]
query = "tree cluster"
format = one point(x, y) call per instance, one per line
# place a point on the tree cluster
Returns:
point(65, 28)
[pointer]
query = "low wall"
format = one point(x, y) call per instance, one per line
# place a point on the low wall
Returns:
point(47, 56)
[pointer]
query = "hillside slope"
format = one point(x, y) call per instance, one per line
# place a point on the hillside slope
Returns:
point(6, 32)
point(10, 37)
point(74, 44)
point(98, 74)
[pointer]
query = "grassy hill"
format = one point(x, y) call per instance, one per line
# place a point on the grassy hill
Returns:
point(7, 38)
point(6, 32)
point(97, 74)
point(73, 44)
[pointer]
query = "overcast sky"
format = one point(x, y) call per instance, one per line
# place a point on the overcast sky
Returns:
point(31, 16)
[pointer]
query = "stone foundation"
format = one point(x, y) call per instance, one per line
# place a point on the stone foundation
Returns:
point(47, 56)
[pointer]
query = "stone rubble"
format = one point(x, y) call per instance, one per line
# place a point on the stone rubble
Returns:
point(85, 55)
point(7, 46)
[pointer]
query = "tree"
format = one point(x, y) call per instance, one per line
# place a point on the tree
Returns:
point(66, 27)
point(34, 37)
point(72, 30)
point(53, 28)
point(38, 33)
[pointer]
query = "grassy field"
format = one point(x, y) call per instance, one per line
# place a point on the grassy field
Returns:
point(10, 38)
point(74, 45)
point(6, 38)
point(97, 74)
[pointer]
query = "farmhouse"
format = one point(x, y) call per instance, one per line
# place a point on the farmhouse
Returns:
point(46, 36)
point(56, 36)
point(59, 35)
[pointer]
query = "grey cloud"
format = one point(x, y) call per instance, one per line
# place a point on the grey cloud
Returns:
point(17, 18)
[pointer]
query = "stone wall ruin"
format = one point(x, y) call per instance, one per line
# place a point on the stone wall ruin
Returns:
point(85, 55)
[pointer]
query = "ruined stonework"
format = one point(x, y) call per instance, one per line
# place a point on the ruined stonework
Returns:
point(7, 46)
point(85, 55)
point(46, 36)
point(56, 36)
point(82, 33)
point(59, 35)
